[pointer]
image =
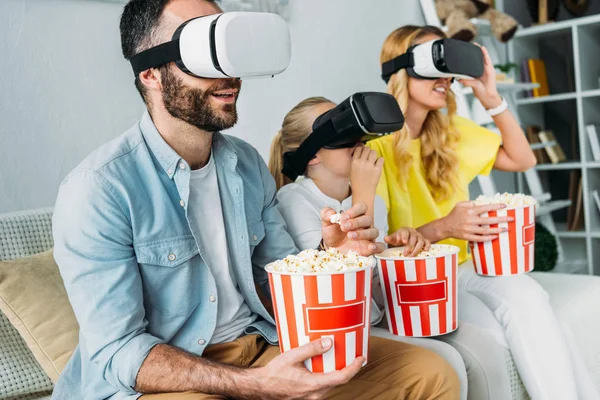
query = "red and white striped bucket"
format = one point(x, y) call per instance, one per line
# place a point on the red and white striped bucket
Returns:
point(512, 253)
point(420, 293)
point(312, 306)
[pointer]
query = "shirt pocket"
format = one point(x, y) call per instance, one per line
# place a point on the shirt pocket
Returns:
point(170, 276)
point(256, 233)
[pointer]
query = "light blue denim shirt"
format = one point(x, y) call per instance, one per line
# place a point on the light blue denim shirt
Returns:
point(132, 266)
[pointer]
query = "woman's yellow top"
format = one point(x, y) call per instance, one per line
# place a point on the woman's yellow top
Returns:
point(412, 205)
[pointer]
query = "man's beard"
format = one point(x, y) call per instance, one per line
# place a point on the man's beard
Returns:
point(193, 105)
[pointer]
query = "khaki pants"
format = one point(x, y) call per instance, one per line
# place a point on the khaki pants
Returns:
point(395, 370)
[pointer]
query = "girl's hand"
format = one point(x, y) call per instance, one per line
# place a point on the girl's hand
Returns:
point(354, 232)
point(465, 222)
point(365, 171)
point(411, 239)
point(484, 88)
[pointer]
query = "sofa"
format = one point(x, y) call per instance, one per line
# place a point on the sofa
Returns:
point(575, 298)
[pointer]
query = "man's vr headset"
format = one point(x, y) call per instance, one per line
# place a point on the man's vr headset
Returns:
point(441, 58)
point(359, 118)
point(227, 45)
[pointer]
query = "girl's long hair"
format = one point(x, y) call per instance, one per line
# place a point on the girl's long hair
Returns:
point(438, 135)
point(295, 129)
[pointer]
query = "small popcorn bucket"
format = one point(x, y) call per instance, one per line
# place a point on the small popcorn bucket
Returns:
point(312, 306)
point(419, 293)
point(512, 253)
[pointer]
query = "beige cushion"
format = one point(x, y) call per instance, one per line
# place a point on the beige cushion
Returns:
point(33, 298)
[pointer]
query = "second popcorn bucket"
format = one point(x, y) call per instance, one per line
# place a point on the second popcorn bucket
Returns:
point(311, 305)
point(420, 292)
point(512, 253)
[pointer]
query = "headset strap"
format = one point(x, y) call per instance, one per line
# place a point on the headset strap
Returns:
point(389, 68)
point(156, 56)
point(295, 162)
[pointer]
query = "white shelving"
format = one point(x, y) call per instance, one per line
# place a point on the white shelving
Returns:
point(573, 104)
point(559, 166)
point(508, 87)
point(547, 99)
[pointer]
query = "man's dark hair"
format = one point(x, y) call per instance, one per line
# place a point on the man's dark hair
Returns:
point(140, 30)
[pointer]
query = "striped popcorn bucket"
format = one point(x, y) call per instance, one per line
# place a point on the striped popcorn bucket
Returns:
point(312, 306)
point(512, 253)
point(420, 293)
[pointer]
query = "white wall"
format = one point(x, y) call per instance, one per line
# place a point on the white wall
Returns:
point(65, 89)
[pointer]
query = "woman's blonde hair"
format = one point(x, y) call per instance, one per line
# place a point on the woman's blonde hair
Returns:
point(295, 129)
point(439, 136)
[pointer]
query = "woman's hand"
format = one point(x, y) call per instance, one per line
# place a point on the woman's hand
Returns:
point(411, 239)
point(484, 88)
point(365, 172)
point(354, 232)
point(465, 222)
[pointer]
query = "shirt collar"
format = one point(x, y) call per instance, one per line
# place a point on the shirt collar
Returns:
point(168, 158)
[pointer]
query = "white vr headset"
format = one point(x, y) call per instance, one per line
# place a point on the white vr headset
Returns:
point(440, 58)
point(227, 45)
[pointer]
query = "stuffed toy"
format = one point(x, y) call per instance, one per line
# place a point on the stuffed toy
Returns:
point(456, 15)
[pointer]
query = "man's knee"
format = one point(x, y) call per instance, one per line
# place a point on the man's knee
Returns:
point(419, 372)
point(437, 377)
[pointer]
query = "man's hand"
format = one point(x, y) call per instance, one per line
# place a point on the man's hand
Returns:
point(465, 222)
point(355, 231)
point(412, 241)
point(286, 377)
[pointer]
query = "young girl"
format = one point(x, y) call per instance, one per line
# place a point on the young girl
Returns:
point(428, 167)
point(336, 178)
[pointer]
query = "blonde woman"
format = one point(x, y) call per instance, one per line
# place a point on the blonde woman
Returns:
point(336, 178)
point(428, 167)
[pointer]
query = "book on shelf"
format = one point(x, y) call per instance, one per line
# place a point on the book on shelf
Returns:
point(592, 132)
point(596, 197)
point(555, 152)
point(525, 76)
point(533, 138)
point(574, 183)
point(537, 73)
point(577, 221)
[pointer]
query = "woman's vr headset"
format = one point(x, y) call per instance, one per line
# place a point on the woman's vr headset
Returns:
point(227, 45)
point(361, 117)
point(441, 58)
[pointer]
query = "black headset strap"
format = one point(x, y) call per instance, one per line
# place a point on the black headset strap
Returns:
point(156, 56)
point(295, 162)
point(389, 68)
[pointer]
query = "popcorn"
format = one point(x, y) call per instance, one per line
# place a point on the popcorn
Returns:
point(436, 250)
point(511, 200)
point(336, 218)
point(315, 261)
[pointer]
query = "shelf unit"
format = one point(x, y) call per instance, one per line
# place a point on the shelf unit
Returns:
point(569, 49)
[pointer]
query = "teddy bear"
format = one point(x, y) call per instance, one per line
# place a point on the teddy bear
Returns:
point(456, 14)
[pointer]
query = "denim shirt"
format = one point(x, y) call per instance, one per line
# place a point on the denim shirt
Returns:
point(133, 267)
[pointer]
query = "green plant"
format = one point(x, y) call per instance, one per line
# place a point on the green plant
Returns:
point(506, 68)
point(546, 249)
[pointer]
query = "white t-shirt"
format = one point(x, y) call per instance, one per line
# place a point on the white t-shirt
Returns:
point(300, 204)
point(206, 213)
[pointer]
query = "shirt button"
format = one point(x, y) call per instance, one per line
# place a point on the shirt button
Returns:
point(254, 237)
point(172, 257)
point(182, 203)
point(212, 298)
point(201, 342)
point(169, 171)
point(181, 165)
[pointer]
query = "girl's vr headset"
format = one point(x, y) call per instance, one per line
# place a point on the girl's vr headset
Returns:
point(361, 117)
point(441, 58)
point(227, 45)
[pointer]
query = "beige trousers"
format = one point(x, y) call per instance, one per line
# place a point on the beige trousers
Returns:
point(395, 370)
